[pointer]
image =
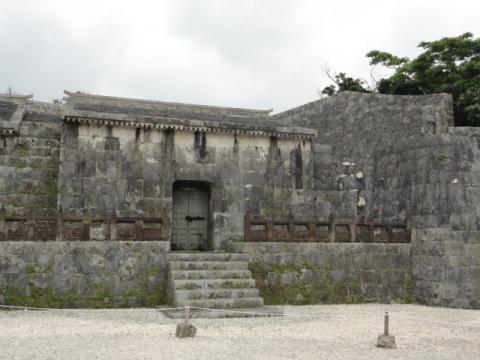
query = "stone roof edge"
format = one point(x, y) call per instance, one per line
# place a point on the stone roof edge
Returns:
point(154, 122)
point(72, 95)
point(354, 94)
point(11, 127)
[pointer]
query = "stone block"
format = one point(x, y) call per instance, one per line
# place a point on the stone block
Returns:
point(386, 341)
point(185, 329)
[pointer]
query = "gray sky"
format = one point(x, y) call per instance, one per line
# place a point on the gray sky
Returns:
point(243, 53)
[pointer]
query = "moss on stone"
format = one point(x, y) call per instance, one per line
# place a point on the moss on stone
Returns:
point(442, 158)
point(22, 150)
point(30, 269)
point(101, 296)
point(323, 290)
point(21, 165)
point(408, 294)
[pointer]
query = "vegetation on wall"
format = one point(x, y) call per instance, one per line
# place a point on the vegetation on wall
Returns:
point(449, 65)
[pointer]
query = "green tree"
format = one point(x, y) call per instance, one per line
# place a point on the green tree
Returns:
point(342, 82)
point(449, 65)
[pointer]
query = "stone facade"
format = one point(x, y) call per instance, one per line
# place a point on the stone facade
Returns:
point(83, 274)
point(446, 267)
point(29, 156)
point(105, 169)
point(306, 273)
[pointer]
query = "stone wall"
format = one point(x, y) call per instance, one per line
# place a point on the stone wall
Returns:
point(434, 181)
point(83, 274)
point(29, 161)
point(133, 170)
point(446, 267)
point(354, 133)
point(306, 273)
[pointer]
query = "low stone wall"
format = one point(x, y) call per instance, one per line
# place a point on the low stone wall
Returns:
point(311, 273)
point(446, 267)
point(83, 273)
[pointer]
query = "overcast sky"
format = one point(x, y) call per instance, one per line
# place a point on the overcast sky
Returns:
point(244, 53)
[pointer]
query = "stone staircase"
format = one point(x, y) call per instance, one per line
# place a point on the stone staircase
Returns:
point(212, 280)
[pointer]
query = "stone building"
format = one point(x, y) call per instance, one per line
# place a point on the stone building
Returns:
point(120, 202)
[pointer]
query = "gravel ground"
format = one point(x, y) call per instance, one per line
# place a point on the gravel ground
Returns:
point(337, 332)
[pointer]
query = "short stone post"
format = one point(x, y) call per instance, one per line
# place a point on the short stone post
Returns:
point(352, 231)
point(389, 229)
point(312, 228)
point(386, 340)
point(331, 229)
point(3, 229)
point(269, 228)
point(139, 230)
point(408, 231)
point(30, 229)
point(86, 229)
point(291, 231)
point(246, 227)
point(113, 226)
point(185, 329)
point(59, 224)
point(371, 230)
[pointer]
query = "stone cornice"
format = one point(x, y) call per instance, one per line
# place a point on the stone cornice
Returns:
point(74, 97)
point(11, 126)
point(153, 122)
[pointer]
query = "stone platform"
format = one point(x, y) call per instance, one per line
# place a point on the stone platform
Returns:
point(265, 311)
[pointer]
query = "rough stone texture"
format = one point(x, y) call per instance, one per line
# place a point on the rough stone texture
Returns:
point(386, 341)
point(83, 274)
point(372, 135)
point(132, 170)
point(185, 329)
point(413, 166)
point(29, 160)
point(306, 273)
point(392, 158)
point(446, 267)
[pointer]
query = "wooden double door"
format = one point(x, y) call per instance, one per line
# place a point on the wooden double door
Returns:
point(190, 218)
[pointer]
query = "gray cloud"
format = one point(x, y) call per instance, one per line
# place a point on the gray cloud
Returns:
point(248, 53)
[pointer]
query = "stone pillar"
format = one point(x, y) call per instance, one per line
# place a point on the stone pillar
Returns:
point(331, 229)
point(352, 228)
point(59, 224)
point(86, 229)
point(113, 226)
point(3, 229)
point(246, 228)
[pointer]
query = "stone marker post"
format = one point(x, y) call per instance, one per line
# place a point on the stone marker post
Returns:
point(185, 329)
point(3, 229)
point(386, 340)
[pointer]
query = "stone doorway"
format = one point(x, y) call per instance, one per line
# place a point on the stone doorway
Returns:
point(190, 220)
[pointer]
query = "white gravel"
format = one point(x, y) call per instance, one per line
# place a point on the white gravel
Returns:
point(339, 332)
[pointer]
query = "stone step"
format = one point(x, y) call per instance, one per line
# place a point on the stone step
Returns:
point(213, 284)
point(265, 311)
point(183, 295)
point(242, 303)
point(207, 256)
point(209, 274)
point(208, 265)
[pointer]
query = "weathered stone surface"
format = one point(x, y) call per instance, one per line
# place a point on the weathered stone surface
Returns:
point(307, 273)
point(386, 341)
point(446, 267)
point(185, 329)
point(83, 274)
point(392, 158)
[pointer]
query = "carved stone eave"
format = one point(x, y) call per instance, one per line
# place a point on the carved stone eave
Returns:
point(8, 132)
point(154, 122)
point(11, 127)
